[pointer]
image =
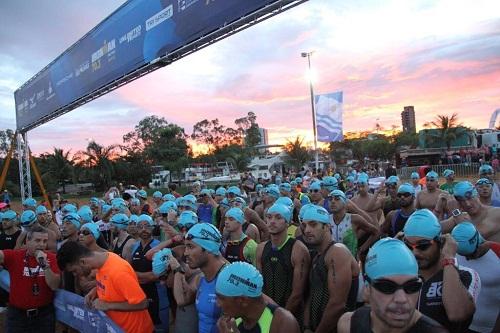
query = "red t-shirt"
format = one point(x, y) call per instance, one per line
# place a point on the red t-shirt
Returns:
point(495, 247)
point(21, 283)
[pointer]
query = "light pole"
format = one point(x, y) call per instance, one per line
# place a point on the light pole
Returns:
point(308, 55)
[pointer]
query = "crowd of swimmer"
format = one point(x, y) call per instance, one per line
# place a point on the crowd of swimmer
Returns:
point(326, 256)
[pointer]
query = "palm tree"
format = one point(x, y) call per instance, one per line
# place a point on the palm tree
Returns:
point(60, 166)
point(99, 161)
point(297, 154)
point(449, 129)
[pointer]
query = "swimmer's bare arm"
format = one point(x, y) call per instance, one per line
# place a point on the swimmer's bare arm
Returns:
point(344, 324)
point(284, 321)
point(300, 263)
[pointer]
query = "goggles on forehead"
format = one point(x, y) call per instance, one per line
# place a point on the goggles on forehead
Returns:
point(404, 195)
point(467, 196)
point(190, 237)
point(484, 182)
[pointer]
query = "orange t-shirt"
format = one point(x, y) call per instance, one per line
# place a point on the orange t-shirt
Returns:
point(117, 282)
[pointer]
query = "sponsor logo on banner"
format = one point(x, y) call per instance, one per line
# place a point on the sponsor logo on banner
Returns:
point(159, 17)
point(185, 4)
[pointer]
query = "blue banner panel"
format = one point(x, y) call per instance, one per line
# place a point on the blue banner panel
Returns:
point(131, 37)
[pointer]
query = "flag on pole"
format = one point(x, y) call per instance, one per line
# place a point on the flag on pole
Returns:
point(328, 109)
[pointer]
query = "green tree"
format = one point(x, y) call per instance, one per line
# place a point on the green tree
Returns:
point(449, 129)
point(98, 161)
point(6, 137)
point(249, 129)
point(296, 153)
point(60, 166)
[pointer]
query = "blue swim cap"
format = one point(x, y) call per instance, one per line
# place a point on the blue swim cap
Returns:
point(187, 219)
point(167, 206)
point(406, 188)
point(157, 195)
point(221, 191)
point(9, 215)
point(392, 180)
point(120, 220)
point(105, 209)
point(447, 173)
point(147, 218)
point(273, 190)
point(390, 257)
point(316, 185)
point(206, 236)
point(298, 180)
point(286, 187)
point(168, 197)
point(363, 179)
point(330, 183)
point(69, 208)
point(259, 187)
point(93, 228)
point(141, 194)
point(94, 201)
point(206, 191)
point(485, 168)
point(350, 179)
point(282, 210)
point(133, 219)
point(225, 203)
point(160, 261)
point(236, 214)
point(239, 200)
point(338, 193)
point(303, 209)
point(234, 190)
point(422, 223)
point(73, 218)
point(415, 175)
point(41, 209)
point(337, 176)
point(304, 200)
point(239, 279)
point(28, 217)
point(285, 201)
point(188, 200)
point(85, 213)
point(135, 202)
point(317, 214)
point(29, 202)
point(119, 204)
point(432, 175)
point(467, 237)
point(464, 190)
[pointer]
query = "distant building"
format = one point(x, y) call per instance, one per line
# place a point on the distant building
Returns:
point(264, 139)
point(408, 119)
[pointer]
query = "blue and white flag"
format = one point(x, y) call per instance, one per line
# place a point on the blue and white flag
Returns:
point(328, 109)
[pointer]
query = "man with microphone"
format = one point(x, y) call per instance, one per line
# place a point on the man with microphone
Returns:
point(34, 276)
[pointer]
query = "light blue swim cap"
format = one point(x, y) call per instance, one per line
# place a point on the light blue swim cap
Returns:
point(9, 215)
point(363, 179)
point(282, 210)
point(120, 220)
point(273, 190)
point(239, 200)
point(239, 279)
point(415, 175)
point(119, 204)
point(85, 213)
point(69, 208)
point(133, 219)
point(237, 214)
point(225, 203)
point(207, 236)
point(167, 206)
point(338, 193)
point(28, 217)
point(350, 179)
point(316, 185)
point(464, 189)
point(331, 183)
point(406, 188)
point(485, 168)
point(168, 197)
point(206, 191)
point(94, 201)
point(303, 209)
point(187, 219)
point(467, 237)
point(221, 191)
point(141, 194)
point(234, 190)
point(285, 201)
point(286, 187)
point(188, 200)
point(135, 202)
point(448, 172)
point(432, 175)
point(157, 195)
point(93, 228)
point(422, 223)
point(298, 180)
point(146, 218)
point(304, 200)
point(392, 180)
point(160, 261)
point(105, 209)
point(29, 202)
point(317, 214)
point(73, 218)
point(41, 209)
point(390, 257)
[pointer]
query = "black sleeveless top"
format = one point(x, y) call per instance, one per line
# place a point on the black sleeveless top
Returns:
point(320, 295)
point(119, 249)
point(277, 271)
point(234, 250)
point(361, 323)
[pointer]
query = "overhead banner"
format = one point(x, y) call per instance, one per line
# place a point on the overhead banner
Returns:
point(133, 36)
point(329, 109)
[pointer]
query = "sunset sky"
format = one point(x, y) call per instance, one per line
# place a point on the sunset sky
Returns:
point(440, 56)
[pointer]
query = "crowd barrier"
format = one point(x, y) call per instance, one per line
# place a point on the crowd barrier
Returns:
point(461, 170)
point(71, 310)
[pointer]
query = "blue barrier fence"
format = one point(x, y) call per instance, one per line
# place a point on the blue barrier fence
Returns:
point(71, 310)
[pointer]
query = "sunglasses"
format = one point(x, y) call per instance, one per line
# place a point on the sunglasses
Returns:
point(467, 195)
point(84, 232)
point(314, 191)
point(389, 287)
point(404, 195)
point(423, 245)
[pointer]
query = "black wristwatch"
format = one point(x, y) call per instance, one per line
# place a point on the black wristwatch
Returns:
point(180, 269)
